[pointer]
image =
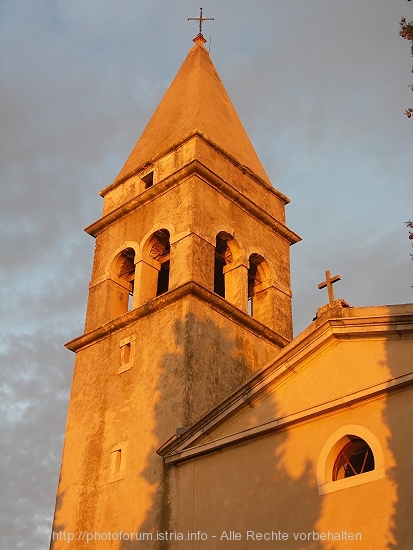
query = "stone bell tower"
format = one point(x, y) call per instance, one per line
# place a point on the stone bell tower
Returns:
point(189, 296)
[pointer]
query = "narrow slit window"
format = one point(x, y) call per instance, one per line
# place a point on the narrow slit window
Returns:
point(125, 353)
point(116, 460)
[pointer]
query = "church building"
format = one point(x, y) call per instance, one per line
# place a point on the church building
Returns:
point(196, 420)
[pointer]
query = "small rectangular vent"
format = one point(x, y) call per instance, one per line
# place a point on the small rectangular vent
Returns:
point(148, 180)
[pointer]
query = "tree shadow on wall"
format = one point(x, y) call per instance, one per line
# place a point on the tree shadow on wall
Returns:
point(240, 488)
point(398, 417)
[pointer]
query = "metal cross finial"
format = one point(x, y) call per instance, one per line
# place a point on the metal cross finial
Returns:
point(200, 19)
point(329, 284)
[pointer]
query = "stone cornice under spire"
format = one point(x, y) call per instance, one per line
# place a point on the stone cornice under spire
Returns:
point(235, 162)
point(195, 168)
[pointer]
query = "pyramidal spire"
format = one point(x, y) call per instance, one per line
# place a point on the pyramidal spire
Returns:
point(195, 102)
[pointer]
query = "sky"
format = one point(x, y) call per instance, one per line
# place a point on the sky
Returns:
point(320, 86)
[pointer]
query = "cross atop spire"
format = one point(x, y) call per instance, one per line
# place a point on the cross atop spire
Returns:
point(329, 284)
point(201, 19)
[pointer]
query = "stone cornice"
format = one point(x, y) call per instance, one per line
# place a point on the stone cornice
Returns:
point(180, 448)
point(152, 306)
point(185, 139)
point(194, 167)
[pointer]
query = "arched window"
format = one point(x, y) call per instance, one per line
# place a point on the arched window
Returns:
point(255, 278)
point(120, 283)
point(127, 272)
point(262, 297)
point(355, 457)
point(351, 456)
point(160, 252)
point(223, 256)
point(152, 269)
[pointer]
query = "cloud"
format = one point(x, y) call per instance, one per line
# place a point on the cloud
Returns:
point(35, 384)
point(321, 88)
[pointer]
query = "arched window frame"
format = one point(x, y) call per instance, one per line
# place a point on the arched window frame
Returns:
point(230, 271)
point(152, 268)
point(355, 457)
point(259, 279)
point(126, 272)
point(120, 280)
point(331, 450)
point(160, 251)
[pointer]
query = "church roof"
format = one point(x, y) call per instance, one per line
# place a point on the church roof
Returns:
point(353, 370)
point(196, 101)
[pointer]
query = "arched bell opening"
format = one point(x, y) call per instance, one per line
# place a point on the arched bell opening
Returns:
point(160, 251)
point(121, 283)
point(223, 257)
point(127, 272)
point(258, 274)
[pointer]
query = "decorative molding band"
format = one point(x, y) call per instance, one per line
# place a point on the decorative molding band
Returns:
point(208, 141)
point(215, 302)
point(198, 168)
point(172, 452)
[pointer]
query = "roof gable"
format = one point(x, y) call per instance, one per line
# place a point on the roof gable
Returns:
point(332, 365)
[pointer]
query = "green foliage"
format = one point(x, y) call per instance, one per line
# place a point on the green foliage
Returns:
point(406, 31)
point(409, 224)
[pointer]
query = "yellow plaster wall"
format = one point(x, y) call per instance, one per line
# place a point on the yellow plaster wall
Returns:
point(187, 358)
point(340, 368)
point(270, 484)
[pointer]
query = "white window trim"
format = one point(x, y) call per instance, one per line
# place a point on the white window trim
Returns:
point(329, 455)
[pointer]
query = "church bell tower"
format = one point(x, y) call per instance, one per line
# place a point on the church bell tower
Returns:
point(189, 296)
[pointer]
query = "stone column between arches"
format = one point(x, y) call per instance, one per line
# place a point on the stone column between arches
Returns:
point(146, 280)
point(236, 284)
point(192, 259)
point(272, 307)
